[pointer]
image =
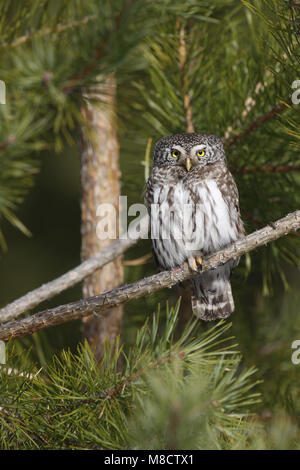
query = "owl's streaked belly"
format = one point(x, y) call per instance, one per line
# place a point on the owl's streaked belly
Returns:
point(181, 227)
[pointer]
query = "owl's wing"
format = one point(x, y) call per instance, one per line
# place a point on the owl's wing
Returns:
point(229, 191)
point(148, 199)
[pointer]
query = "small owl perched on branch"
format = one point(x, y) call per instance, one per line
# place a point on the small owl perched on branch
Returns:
point(193, 203)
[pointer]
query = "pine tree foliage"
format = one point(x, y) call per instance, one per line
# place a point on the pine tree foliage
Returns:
point(45, 84)
point(172, 393)
point(172, 74)
point(191, 392)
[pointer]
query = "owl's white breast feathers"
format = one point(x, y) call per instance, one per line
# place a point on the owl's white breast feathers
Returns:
point(219, 227)
point(180, 227)
point(167, 224)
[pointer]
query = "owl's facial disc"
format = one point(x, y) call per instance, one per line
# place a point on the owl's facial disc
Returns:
point(189, 151)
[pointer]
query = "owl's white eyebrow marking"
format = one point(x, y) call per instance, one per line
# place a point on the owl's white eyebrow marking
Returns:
point(175, 147)
point(178, 147)
point(198, 147)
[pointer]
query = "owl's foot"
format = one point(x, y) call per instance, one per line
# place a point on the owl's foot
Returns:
point(195, 263)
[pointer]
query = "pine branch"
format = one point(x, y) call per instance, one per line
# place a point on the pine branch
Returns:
point(99, 304)
point(9, 141)
point(139, 261)
point(90, 68)
point(182, 53)
point(274, 112)
point(265, 169)
point(131, 378)
point(77, 393)
point(60, 28)
point(71, 278)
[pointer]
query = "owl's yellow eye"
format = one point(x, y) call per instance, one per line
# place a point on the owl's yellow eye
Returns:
point(175, 153)
point(200, 153)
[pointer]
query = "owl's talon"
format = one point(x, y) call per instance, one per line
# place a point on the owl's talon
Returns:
point(195, 263)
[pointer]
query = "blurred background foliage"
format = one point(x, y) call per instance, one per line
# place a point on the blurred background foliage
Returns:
point(242, 58)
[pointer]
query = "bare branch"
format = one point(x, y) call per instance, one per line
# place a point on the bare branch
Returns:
point(139, 261)
point(101, 303)
point(76, 275)
point(72, 277)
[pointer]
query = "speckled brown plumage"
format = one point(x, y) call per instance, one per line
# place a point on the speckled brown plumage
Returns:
point(194, 208)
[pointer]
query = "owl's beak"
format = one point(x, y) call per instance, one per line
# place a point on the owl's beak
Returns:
point(188, 163)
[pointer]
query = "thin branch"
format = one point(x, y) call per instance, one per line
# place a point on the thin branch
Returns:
point(274, 112)
point(11, 139)
point(182, 53)
point(131, 378)
point(90, 68)
point(101, 303)
point(250, 102)
point(139, 261)
point(60, 28)
point(72, 277)
point(265, 169)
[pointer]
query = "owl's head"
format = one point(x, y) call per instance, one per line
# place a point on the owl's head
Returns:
point(189, 150)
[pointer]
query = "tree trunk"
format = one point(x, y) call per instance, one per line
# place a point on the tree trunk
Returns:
point(100, 183)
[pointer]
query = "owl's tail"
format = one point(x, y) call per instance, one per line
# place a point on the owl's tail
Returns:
point(212, 296)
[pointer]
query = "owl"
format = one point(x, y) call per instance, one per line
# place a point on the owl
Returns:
point(193, 205)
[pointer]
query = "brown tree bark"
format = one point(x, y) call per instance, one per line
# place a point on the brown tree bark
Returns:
point(100, 183)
